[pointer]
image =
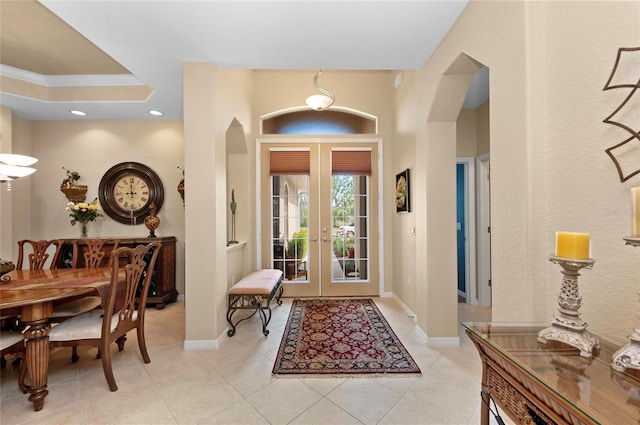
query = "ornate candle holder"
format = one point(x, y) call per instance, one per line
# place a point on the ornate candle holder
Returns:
point(628, 356)
point(568, 327)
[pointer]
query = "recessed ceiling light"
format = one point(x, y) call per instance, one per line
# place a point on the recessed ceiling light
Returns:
point(156, 113)
point(78, 113)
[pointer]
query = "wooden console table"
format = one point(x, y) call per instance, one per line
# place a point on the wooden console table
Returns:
point(551, 383)
point(163, 284)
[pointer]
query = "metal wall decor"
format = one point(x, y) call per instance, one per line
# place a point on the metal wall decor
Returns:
point(627, 57)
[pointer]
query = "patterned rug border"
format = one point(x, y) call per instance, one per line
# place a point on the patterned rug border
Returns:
point(413, 369)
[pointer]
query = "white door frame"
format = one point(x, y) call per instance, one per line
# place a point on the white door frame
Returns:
point(470, 279)
point(484, 230)
point(328, 139)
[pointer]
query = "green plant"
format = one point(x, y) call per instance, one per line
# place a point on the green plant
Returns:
point(297, 246)
point(342, 246)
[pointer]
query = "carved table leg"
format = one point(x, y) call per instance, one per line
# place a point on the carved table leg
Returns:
point(38, 361)
point(37, 350)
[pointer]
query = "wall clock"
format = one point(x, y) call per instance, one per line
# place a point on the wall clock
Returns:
point(127, 190)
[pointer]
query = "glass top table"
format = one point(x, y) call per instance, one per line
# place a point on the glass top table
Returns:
point(555, 375)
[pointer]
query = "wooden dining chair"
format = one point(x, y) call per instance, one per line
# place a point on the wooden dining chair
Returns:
point(11, 342)
point(130, 268)
point(41, 254)
point(38, 253)
point(93, 252)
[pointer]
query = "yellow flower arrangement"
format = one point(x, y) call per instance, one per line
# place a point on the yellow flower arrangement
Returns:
point(84, 212)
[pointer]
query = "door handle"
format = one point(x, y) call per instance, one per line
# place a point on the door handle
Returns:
point(314, 239)
point(324, 239)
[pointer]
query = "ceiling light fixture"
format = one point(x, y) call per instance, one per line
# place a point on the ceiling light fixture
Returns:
point(13, 166)
point(78, 113)
point(320, 102)
point(156, 113)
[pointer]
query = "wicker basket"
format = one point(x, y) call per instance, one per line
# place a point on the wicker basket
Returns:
point(74, 193)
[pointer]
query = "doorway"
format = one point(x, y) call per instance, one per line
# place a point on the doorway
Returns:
point(466, 217)
point(319, 216)
point(461, 226)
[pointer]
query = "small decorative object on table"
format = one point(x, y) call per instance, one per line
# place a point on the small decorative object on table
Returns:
point(83, 213)
point(233, 207)
point(628, 356)
point(73, 191)
point(152, 221)
point(5, 267)
point(572, 253)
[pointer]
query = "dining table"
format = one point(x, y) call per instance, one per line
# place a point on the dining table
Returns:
point(32, 295)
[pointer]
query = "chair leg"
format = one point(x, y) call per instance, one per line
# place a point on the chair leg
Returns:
point(106, 367)
point(120, 341)
point(74, 354)
point(143, 345)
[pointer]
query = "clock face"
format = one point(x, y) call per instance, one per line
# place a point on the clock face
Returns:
point(131, 192)
point(127, 190)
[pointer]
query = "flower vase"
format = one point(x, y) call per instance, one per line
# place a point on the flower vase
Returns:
point(83, 229)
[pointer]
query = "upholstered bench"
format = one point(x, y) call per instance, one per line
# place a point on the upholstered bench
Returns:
point(255, 292)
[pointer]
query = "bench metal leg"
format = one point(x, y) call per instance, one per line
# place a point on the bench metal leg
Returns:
point(255, 303)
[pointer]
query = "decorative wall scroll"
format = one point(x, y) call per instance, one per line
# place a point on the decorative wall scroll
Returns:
point(628, 65)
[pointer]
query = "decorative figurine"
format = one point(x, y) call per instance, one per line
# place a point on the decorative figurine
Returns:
point(152, 221)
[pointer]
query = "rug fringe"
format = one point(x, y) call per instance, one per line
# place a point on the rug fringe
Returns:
point(349, 376)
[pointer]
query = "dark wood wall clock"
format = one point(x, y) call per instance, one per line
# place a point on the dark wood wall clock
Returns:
point(127, 190)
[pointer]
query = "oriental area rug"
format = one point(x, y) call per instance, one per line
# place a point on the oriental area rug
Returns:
point(340, 337)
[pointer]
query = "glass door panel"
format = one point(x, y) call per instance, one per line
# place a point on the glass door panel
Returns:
point(319, 226)
point(290, 226)
point(349, 208)
point(349, 239)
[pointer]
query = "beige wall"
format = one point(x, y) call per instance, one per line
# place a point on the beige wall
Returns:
point(212, 99)
point(91, 148)
point(365, 91)
point(467, 134)
point(548, 63)
point(482, 126)
point(472, 131)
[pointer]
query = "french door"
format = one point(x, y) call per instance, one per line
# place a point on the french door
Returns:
point(319, 217)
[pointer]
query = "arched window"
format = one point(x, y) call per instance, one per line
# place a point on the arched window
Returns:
point(325, 122)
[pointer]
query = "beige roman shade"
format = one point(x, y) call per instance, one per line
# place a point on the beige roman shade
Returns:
point(289, 162)
point(351, 162)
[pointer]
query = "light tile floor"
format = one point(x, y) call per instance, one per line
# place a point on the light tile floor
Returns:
point(234, 385)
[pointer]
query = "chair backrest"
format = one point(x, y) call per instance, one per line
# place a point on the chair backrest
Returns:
point(38, 256)
point(130, 268)
point(93, 253)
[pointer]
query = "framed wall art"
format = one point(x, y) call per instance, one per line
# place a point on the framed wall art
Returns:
point(403, 192)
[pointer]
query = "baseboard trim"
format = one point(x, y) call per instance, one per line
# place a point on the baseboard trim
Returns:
point(405, 308)
point(437, 342)
point(202, 344)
